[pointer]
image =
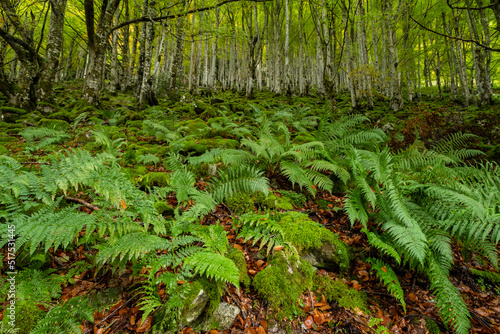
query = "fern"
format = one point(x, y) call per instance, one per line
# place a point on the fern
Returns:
point(489, 275)
point(388, 277)
point(261, 228)
point(148, 158)
point(237, 180)
point(66, 318)
point(130, 246)
point(376, 241)
point(39, 138)
point(215, 266)
point(448, 300)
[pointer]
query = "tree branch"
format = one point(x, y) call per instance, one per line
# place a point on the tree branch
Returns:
point(455, 38)
point(471, 8)
point(82, 202)
point(173, 16)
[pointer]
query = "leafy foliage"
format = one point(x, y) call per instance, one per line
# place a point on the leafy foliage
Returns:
point(422, 199)
point(388, 277)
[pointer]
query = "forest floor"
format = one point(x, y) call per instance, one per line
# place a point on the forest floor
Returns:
point(427, 121)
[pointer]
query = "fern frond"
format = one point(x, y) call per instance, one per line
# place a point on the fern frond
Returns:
point(65, 318)
point(376, 241)
point(238, 180)
point(448, 300)
point(215, 266)
point(130, 246)
point(388, 277)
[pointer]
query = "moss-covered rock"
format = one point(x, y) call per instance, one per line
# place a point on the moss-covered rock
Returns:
point(314, 242)
point(3, 150)
point(192, 126)
point(282, 282)
point(164, 209)
point(25, 316)
point(63, 115)
point(274, 202)
point(238, 258)
point(55, 124)
point(338, 291)
point(7, 139)
point(134, 124)
point(240, 204)
point(200, 146)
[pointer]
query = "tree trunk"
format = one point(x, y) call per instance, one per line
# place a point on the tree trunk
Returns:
point(97, 45)
point(146, 95)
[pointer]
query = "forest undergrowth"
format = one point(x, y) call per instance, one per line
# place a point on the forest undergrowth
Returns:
point(307, 218)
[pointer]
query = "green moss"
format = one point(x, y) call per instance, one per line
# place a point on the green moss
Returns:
point(155, 179)
point(141, 170)
point(12, 110)
point(303, 137)
point(293, 197)
point(339, 292)
point(164, 209)
point(134, 124)
point(192, 126)
point(240, 204)
point(27, 315)
point(306, 234)
point(55, 124)
point(7, 139)
point(200, 146)
point(3, 150)
point(282, 282)
point(238, 258)
point(14, 131)
point(273, 202)
point(63, 115)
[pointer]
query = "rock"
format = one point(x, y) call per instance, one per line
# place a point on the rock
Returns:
point(106, 298)
point(388, 127)
point(323, 257)
point(222, 318)
point(192, 311)
point(275, 328)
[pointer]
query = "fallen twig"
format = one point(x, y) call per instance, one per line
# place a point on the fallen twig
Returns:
point(82, 202)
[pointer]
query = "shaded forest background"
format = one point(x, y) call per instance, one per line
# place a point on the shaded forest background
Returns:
point(395, 50)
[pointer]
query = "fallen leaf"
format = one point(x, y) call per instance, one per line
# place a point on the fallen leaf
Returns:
point(482, 312)
point(252, 272)
point(214, 331)
point(357, 286)
point(181, 282)
point(319, 319)
point(260, 330)
point(263, 323)
point(123, 204)
point(412, 297)
point(238, 246)
point(144, 325)
point(278, 248)
point(384, 269)
point(308, 322)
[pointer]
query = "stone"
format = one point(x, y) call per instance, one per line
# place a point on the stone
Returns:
point(222, 318)
point(192, 311)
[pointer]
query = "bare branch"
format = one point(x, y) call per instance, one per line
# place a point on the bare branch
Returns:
point(454, 37)
point(174, 16)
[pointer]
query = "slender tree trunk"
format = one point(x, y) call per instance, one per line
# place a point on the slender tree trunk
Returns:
point(114, 82)
point(146, 95)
